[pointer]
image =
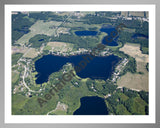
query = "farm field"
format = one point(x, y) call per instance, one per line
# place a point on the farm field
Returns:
point(59, 46)
point(31, 53)
point(17, 49)
point(138, 81)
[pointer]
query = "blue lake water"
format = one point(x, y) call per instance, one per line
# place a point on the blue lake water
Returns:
point(109, 29)
point(112, 39)
point(86, 33)
point(41, 40)
point(97, 68)
point(139, 35)
point(93, 105)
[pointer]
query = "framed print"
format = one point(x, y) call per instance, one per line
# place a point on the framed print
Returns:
point(74, 63)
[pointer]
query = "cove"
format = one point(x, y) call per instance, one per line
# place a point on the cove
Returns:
point(98, 68)
point(93, 105)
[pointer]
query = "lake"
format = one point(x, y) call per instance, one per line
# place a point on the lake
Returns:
point(86, 33)
point(98, 68)
point(92, 105)
point(105, 28)
point(109, 29)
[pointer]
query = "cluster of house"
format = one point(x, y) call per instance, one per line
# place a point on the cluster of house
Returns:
point(118, 69)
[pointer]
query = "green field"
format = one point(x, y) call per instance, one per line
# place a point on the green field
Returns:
point(18, 102)
point(126, 103)
point(15, 77)
point(16, 57)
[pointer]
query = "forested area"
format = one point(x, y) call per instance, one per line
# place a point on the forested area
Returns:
point(16, 57)
point(79, 42)
point(121, 101)
point(38, 40)
point(102, 89)
point(90, 19)
point(128, 102)
point(46, 16)
point(128, 37)
point(131, 66)
point(20, 26)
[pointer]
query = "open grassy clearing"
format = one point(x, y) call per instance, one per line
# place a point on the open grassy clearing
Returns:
point(133, 13)
point(21, 105)
point(62, 30)
point(134, 51)
point(17, 49)
point(16, 57)
point(15, 76)
point(80, 24)
point(129, 30)
point(31, 53)
point(135, 81)
point(72, 95)
point(123, 97)
point(138, 106)
point(59, 46)
point(61, 109)
point(121, 110)
point(18, 101)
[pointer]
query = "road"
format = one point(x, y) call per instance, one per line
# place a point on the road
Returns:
point(25, 82)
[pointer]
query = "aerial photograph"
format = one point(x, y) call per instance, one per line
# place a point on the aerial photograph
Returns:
point(80, 63)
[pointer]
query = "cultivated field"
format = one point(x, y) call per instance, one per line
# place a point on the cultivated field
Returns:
point(131, 30)
point(31, 53)
point(137, 14)
point(16, 49)
point(133, 13)
point(135, 81)
point(134, 51)
point(59, 46)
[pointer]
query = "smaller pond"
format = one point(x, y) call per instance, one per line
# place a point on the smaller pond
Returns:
point(137, 35)
point(41, 40)
point(86, 33)
point(92, 105)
